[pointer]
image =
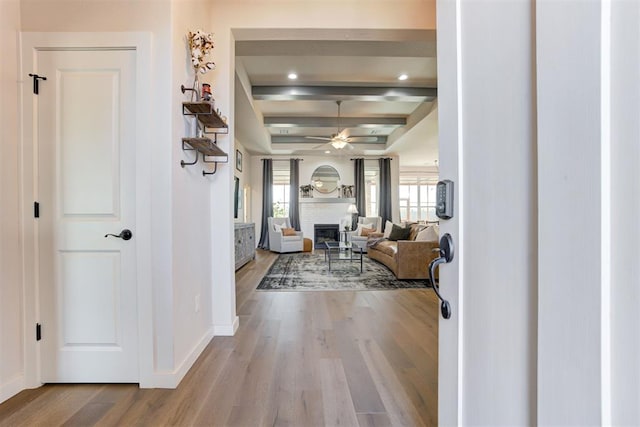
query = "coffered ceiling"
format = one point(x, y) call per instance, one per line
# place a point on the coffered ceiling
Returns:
point(383, 115)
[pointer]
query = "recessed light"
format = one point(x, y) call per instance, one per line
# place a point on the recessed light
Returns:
point(327, 152)
point(403, 77)
point(292, 76)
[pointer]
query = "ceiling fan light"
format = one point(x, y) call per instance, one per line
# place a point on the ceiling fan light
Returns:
point(338, 144)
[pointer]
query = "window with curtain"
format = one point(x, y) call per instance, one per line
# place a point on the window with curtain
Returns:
point(417, 194)
point(280, 189)
point(371, 179)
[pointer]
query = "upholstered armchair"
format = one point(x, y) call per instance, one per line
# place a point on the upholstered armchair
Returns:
point(361, 241)
point(279, 242)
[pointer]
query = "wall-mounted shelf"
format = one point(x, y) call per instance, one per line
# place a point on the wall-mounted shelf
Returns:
point(206, 115)
point(209, 122)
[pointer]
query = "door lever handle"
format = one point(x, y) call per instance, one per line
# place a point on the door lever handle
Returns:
point(124, 235)
point(446, 256)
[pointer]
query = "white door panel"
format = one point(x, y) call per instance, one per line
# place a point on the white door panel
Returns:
point(86, 186)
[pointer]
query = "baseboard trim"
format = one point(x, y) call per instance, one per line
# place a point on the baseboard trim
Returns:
point(226, 330)
point(12, 387)
point(173, 378)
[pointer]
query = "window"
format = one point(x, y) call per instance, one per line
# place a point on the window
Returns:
point(281, 189)
point(371, 176)
point(417, 194)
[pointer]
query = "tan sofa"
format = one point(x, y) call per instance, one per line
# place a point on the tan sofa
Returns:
point(408, 259)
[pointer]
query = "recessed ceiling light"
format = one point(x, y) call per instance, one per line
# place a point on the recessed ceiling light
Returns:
point(403, 77)
point(292, 76)
point(327, 152)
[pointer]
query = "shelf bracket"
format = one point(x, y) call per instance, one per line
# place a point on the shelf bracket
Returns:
point(215, 169)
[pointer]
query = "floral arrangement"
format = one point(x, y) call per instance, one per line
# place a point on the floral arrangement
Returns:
point(200, 44)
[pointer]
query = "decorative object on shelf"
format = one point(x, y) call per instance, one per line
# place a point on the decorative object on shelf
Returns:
point(200, 44)
point(206, 92)
point(306, 191)
point(239, 160)
point(347, 191)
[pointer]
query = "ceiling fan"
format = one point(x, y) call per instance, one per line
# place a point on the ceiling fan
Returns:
point(340, 139)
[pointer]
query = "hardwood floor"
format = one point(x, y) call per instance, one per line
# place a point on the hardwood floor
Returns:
point(299, 359)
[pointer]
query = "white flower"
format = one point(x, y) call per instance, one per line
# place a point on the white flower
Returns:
point(200, 44)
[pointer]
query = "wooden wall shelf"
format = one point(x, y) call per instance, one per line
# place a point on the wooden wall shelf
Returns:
point(208, 122)
point(206, 115)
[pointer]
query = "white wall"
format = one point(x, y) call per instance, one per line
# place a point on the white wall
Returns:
point(497, 230)
point(191, 201)
point(11, 314)
point(572, 234)
point(625, 211)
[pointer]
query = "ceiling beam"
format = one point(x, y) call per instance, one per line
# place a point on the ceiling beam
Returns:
point(278, 139)
point(343, 93)
point(345, 122)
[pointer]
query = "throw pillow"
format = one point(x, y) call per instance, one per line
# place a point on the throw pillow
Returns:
point(399, 233)
point(429, 234)
point(366, 231)
point(388, 226)
point(360, 227)
point(278, 227)
point(289, 231)
point(415, 229)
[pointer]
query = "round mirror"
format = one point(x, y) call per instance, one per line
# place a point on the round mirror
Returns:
point(325, 179)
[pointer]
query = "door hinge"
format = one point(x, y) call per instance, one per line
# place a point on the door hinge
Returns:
point(38, 331)
point(36, 82)
point(36, 210)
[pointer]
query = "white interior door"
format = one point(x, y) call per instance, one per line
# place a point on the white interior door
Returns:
point(86, 189)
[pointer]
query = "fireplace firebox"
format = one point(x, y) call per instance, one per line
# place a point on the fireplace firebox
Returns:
point(325, 233)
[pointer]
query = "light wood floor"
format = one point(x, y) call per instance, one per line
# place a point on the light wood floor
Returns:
point(299, 359)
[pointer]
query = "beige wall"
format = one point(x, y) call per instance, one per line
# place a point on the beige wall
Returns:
point(191, 201)
point(11, 324)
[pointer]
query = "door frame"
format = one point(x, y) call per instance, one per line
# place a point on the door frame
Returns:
point(30, 44)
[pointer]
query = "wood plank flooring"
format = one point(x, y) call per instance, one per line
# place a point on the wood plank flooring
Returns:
point(299, 359)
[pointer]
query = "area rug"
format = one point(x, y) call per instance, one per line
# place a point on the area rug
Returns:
point(310, 272)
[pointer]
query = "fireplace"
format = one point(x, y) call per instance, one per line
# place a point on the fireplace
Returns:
point(325, 233)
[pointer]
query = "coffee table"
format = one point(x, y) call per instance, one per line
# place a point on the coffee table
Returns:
point(342, 251)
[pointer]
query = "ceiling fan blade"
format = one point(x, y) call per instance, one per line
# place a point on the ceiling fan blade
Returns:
point(322, 146)
point(363, 139)
point(322, 138)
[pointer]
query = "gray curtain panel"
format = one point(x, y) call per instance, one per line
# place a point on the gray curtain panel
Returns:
point(267, 201)
point(294, 185)
point(384, 209)
point(360, 190)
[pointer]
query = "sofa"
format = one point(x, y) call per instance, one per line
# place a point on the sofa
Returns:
point(407, 259)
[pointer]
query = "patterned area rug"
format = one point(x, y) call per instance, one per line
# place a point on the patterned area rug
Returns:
point(310, 272)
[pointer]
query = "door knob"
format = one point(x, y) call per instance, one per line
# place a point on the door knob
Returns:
point(446, 256)
point(124, 235)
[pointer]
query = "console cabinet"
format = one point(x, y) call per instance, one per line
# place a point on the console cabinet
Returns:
point(245, 243)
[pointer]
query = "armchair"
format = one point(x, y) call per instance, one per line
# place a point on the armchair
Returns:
point(376, 221)
point(280, 243)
